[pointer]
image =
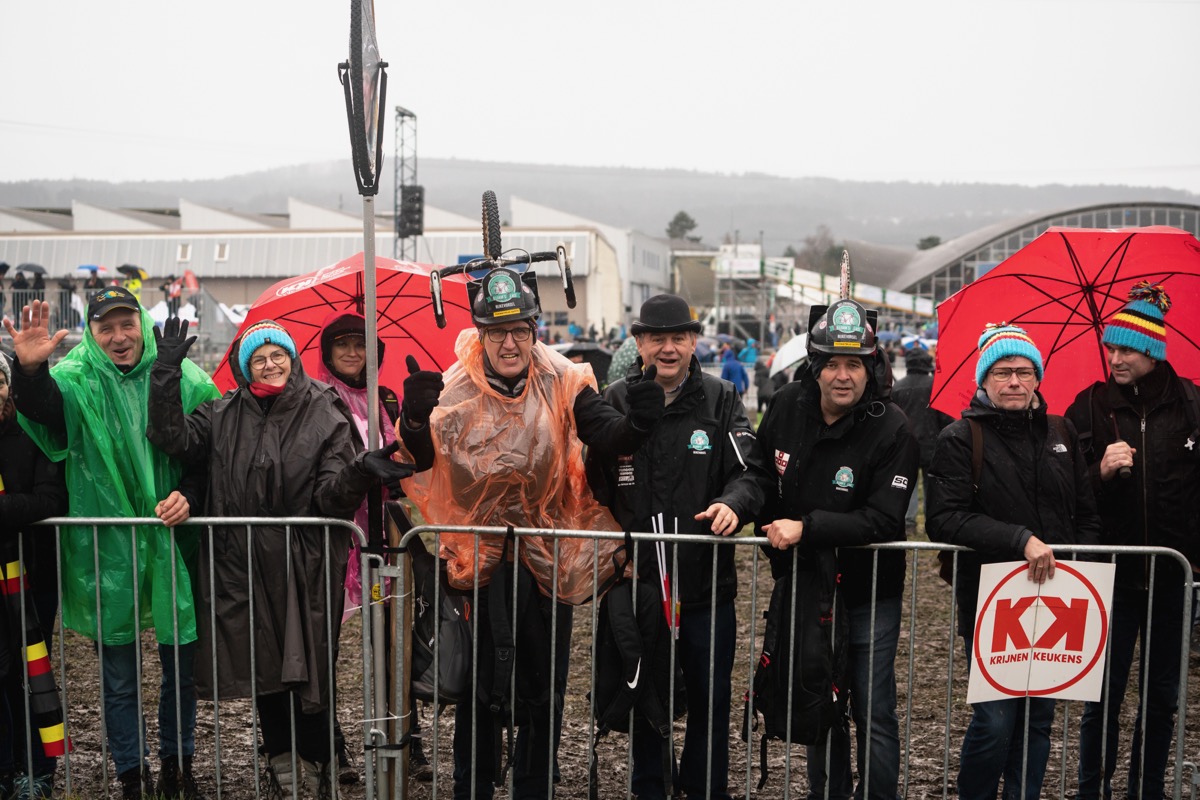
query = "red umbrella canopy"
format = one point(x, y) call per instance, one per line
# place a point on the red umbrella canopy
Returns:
point(1063, 288)
point(405, 315)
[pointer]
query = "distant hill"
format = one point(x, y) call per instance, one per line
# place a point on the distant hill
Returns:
point(786, 210)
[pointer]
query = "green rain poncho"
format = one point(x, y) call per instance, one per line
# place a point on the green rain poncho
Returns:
point(113, 471)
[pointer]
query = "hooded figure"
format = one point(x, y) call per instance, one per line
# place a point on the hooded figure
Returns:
point(280, 445)
point(344, 368)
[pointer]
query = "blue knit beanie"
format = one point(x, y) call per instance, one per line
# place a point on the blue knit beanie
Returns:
point(1140, 325)
point(1004, 341)
point(267, 331)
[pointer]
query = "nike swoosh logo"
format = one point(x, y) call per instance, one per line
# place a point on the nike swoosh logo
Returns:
point(633, 683)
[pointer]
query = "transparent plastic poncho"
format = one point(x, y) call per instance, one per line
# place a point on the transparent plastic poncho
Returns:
point(501, 461)
point(112, 470)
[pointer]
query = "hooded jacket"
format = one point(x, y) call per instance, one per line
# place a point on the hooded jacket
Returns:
point(912, 393)
point(1034, 483)
point(354, 394)
point(1159, 504)
point(290, 457)
point(90, 415)
point(848, 482)
point(701, 452)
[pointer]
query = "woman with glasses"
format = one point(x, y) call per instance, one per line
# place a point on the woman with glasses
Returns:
point(505, 431)
point(280, 445)
point(1007, 480)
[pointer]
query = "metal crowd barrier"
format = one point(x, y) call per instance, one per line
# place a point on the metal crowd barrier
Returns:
point(212, 757)
point(917, 729)
point(927, 738)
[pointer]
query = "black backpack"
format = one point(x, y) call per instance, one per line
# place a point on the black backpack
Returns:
point(811, 663)
point(452, 616)
point(633, 670)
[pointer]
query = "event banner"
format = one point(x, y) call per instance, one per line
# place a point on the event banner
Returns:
point(1044, 640)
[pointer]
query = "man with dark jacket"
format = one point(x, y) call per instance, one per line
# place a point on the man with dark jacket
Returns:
point(1032, 491)
point(32, 488)
point(912, 394)
point(1144, 467)
point(700, 470)
point(845, 464)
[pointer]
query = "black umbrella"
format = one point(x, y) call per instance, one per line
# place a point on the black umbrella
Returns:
point(591, 353)
point(32, 269)
point(133, 271)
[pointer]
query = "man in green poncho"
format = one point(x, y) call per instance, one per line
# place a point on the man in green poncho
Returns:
point(90, 411)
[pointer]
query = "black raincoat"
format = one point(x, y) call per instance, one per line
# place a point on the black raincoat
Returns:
point(289, 460)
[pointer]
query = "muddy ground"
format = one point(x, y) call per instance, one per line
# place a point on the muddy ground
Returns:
point(928, 766)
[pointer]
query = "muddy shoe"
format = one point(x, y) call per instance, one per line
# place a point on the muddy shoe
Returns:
point(136, 784)
point(418, 765)
point(319, 781)
point(39, 787)
point(175, 780)
point(347, 774)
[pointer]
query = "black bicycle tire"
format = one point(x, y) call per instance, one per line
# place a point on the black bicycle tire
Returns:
point(491, 225)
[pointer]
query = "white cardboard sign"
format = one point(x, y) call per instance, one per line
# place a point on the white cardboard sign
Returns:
point(1044, 640)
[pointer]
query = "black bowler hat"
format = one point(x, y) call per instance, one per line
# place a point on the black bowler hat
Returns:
point(665, 313)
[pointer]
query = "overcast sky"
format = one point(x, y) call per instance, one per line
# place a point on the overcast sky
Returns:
point(1015, 91)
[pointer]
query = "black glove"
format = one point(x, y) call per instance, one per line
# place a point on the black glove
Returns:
point(378, 464)
point(647, 400)
point(173, 342)
point(421, 390)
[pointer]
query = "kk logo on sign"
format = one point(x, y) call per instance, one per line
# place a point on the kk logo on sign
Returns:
point(1043, 640)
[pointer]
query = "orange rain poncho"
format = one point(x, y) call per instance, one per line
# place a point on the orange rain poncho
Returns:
point(517, 461)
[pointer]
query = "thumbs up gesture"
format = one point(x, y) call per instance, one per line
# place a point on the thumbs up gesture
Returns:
point(422, 388)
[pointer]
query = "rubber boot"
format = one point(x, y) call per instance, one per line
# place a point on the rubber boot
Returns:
point(319, 781)
point(280, 785)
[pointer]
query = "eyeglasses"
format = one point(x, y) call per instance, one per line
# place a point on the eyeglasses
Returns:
point(278, 358)
point(498, 335)
point(1004, 374)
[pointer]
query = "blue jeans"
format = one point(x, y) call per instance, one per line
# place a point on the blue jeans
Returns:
point(1158, 682)
point(877, 676)
point(122, 714)
point(692, 655)
point(994, 747)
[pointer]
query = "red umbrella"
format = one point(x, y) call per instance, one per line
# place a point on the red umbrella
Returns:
point(1062, 288)
point(405, 314)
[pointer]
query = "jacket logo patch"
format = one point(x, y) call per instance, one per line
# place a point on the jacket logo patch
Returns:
point(781, 461)
point(899, 482)
point(698, 442)
point(625, 471)
point(1059, 448)
point(844, 479)
point(1190, 444)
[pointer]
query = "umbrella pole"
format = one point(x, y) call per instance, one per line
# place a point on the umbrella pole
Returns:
point(374, 499)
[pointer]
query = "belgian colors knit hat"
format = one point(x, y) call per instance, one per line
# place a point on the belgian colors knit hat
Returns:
point(1004, 341)
point(1139, 325)
point(267, 331)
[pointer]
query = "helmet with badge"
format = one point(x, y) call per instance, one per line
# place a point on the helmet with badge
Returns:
point(504, 295)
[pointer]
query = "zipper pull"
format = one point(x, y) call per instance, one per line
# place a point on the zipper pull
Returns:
point(1143, 424)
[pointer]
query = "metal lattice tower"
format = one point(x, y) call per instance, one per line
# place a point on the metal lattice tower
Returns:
point(404, 248)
